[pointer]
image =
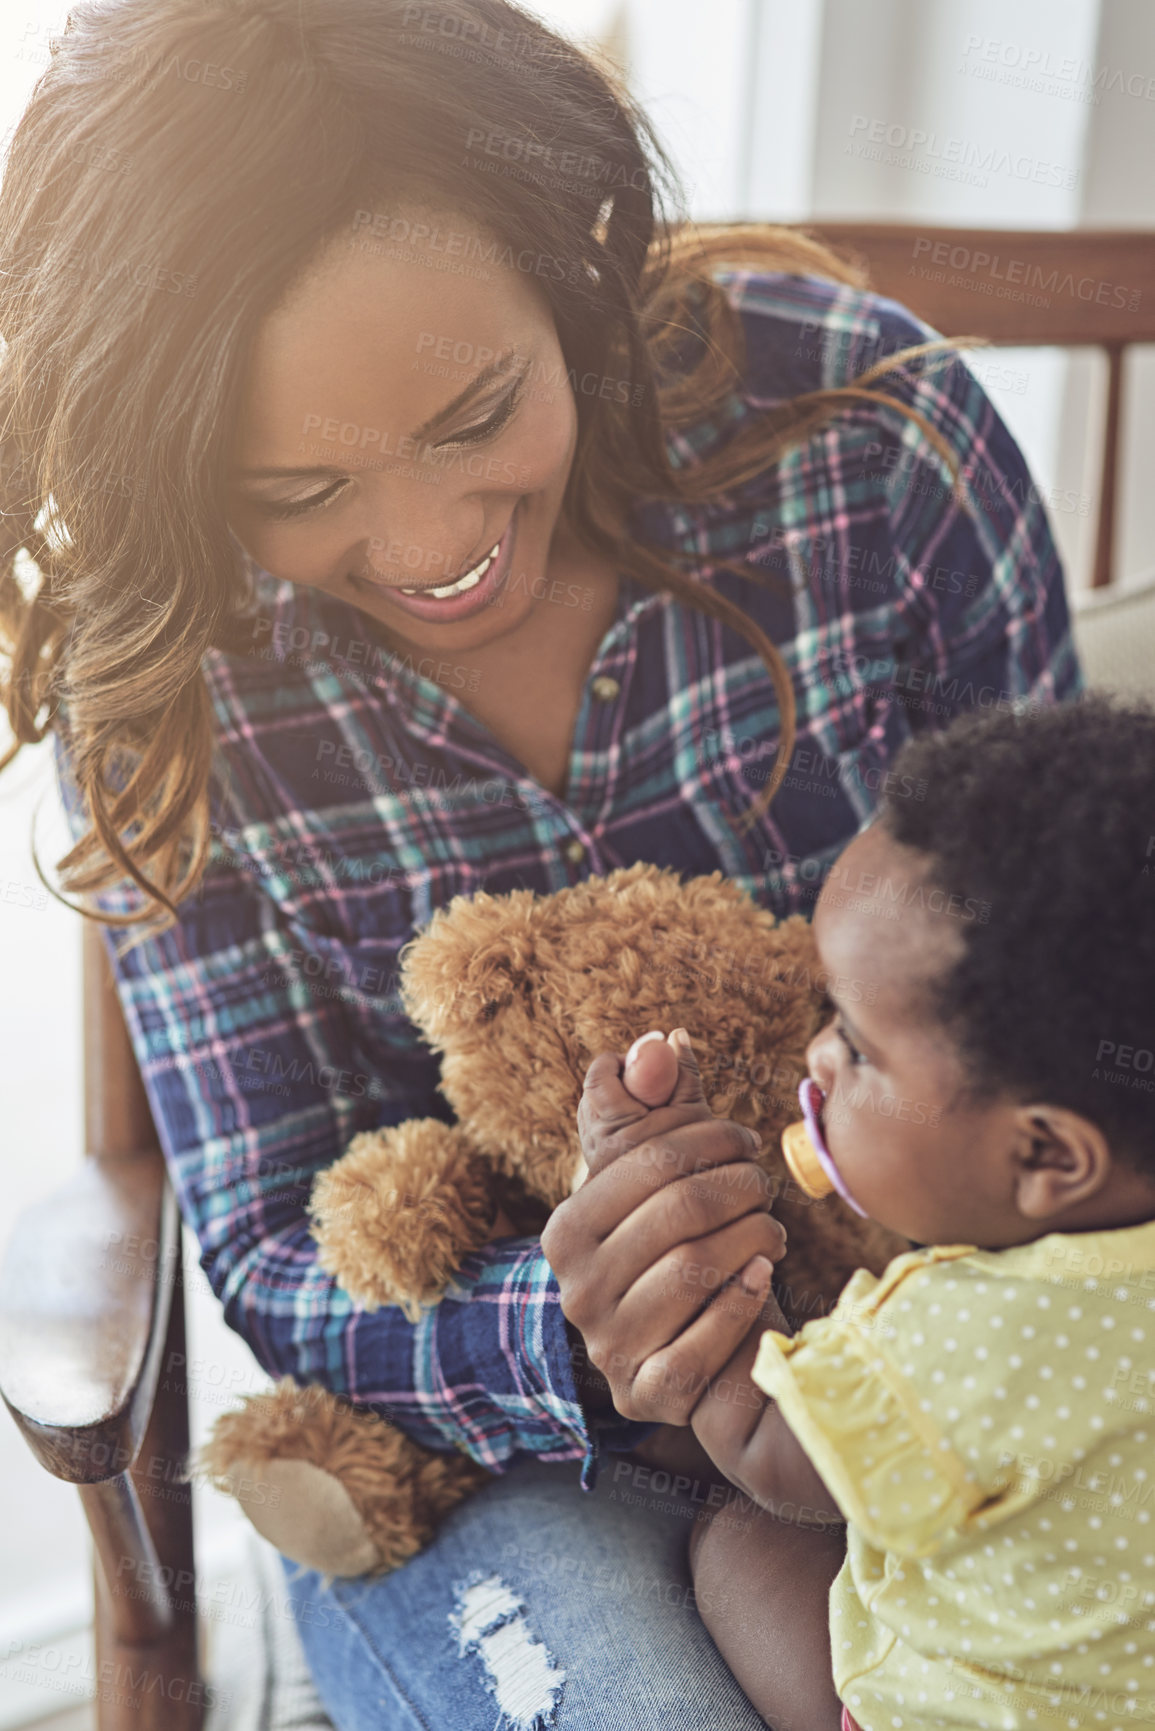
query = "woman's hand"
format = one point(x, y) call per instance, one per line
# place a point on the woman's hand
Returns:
point(672, 1215)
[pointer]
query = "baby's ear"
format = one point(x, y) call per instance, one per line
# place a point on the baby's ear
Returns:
point(475, 955)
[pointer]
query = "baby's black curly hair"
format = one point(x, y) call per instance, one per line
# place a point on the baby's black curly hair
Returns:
point(1049, 816)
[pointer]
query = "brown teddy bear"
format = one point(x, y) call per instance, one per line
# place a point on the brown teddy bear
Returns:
point(519, 993)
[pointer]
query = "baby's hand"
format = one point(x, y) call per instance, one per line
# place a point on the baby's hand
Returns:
point(657, 1089)
point(651, 1067)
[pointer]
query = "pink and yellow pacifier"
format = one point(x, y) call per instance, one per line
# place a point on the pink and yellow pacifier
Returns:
point(806, 1154)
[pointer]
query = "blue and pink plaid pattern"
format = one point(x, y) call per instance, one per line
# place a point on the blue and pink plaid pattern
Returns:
point(358, 794)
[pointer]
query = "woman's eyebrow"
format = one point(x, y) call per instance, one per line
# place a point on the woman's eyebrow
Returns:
point(485, 377)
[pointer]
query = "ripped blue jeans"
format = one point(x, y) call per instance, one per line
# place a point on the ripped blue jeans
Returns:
point(540, 1607)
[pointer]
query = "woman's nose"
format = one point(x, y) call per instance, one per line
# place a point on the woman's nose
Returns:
point(405, 543)
point(424, 560)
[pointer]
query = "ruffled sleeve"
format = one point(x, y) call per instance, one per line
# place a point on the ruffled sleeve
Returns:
point(893, 1472)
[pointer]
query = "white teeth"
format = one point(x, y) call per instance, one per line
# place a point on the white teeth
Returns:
point(470, 580)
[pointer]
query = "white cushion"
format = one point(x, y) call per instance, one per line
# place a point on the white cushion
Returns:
point(254, 1663)
point(1114, 632)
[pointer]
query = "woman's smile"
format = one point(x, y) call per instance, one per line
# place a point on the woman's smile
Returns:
point(461, 597)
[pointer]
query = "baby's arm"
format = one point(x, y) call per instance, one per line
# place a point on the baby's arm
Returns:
point(747, 1438)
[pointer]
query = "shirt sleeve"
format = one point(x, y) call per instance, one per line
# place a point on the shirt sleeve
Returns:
point(257, 1078)
point(902, 1467)
point(981, 604)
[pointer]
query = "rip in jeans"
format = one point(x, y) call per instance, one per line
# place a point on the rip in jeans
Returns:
point(520, 1672)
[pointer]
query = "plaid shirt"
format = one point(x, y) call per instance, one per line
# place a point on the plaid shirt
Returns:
point(358, 794)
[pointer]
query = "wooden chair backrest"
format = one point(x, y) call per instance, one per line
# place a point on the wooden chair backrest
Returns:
point(1023, 287)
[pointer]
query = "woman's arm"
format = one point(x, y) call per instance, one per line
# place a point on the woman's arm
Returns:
point(259, 1069)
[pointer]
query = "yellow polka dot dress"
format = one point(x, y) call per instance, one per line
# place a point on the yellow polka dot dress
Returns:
point(984, 1420)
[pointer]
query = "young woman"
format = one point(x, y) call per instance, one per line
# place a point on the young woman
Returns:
point(396, 508)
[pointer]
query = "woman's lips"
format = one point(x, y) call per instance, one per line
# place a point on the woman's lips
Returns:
point(424, 606)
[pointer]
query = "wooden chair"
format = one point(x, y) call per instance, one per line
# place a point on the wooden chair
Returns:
point(1078, 288)
point(92, 1340)
point(92, 1368)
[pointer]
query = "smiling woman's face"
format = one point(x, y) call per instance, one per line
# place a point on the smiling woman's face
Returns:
point(399, 422)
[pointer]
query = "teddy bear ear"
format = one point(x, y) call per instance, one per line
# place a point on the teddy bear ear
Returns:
point(472, 959)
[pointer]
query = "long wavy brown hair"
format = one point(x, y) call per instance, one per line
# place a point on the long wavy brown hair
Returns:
point(179, 166)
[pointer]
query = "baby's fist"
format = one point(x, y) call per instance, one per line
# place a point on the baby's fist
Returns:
point(656, 1090)
point(651, 1068)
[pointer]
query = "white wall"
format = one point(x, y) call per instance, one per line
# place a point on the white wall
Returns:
point(774, 110)
point(1118, 190)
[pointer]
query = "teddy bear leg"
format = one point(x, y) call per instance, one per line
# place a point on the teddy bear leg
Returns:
point(398, 1213)
point(333, 1488)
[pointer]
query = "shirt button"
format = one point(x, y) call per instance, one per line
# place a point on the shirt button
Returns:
point(604, 688)
point(574, 851)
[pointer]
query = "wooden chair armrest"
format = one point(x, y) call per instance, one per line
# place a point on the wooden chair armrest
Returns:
point(85, 1292)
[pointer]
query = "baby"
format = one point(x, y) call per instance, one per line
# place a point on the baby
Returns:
point(982, 1416)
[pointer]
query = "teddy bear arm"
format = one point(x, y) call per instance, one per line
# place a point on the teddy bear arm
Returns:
point(397, 1214)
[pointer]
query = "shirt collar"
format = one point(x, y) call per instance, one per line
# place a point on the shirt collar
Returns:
point(1121, 1256)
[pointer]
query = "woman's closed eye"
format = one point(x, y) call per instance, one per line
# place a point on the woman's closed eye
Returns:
point(493, 423)
point(486, 429)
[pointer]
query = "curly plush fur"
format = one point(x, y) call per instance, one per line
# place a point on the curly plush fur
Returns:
point(519, 993)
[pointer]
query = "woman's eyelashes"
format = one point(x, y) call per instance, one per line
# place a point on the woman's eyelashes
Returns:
point(486, 429)
point(295, 507)
point(494, 423)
